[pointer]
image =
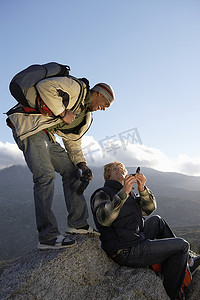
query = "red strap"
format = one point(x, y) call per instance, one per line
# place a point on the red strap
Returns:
point(156, 267)
point(29, 109)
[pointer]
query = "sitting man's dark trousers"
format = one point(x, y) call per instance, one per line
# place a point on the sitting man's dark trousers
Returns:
point(160, 245)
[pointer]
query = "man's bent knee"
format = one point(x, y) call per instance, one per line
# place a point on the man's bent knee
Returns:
point(183, 244)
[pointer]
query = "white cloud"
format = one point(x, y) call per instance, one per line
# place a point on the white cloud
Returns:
point(138, 155)
point(130, 154)
point(10, 155)
point(188, 165)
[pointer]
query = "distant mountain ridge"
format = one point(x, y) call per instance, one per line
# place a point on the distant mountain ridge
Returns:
point(178, 199)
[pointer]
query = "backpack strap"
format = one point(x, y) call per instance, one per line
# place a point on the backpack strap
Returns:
point(81, 94)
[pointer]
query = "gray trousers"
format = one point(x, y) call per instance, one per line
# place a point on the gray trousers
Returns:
point(43, 158)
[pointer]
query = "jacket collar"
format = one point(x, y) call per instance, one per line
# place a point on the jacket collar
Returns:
point(114, 184)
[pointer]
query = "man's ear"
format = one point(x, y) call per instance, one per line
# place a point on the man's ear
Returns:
point(94, 93)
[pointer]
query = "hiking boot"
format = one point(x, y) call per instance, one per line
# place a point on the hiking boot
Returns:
point(57, 243)
point(83, 230)
point(193, 269)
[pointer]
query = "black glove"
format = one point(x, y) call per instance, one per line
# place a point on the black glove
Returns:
point(85, 178)
point(86, 175)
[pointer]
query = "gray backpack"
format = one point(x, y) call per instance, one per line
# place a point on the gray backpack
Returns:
point(22, 86)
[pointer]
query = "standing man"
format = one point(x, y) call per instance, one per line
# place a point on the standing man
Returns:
point(69, 104)
point(127, 239)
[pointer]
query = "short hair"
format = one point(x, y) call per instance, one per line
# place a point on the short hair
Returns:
point(107, 169)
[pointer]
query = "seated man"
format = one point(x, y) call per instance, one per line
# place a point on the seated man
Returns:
point(127, 239)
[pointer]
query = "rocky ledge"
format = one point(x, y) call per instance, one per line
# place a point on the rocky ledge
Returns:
point(81, 272)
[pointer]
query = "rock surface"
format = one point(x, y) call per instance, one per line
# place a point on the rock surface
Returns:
point(81, 272)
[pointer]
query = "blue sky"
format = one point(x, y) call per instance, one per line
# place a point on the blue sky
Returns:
point(147, 50)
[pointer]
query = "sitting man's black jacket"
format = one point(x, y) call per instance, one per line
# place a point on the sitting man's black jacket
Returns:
point(118, 217)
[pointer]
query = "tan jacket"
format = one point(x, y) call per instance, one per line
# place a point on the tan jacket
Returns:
point(48, 90)
point(29, 124)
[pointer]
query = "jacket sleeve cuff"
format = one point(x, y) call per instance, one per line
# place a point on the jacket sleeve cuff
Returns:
point(59, 111)
point(144, 193)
